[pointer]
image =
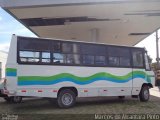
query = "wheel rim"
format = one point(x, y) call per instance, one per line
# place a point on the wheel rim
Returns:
point(146, 94)
point(17, 98)
point(67, 99)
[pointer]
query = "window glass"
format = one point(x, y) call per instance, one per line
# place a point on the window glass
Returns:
point(72, 59)
point(76, 59)
point(40, 45)
point(24, 59)
point(25, 44)
point(118, 51)
point(69, 59)
point(93, 49)
point(56, 47)
point(67, 47)
point(28, 56)
point(46, 57)
point(137, 58)
point(114, 61)
point(124, 61)
point(76, 48)
point(100, 60)
point(58, 58)
point(32, 60)
point(34, 44)
point(88, 59)
point(119, 56)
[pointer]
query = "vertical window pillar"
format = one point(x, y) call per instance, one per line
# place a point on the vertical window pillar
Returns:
point(94, 35)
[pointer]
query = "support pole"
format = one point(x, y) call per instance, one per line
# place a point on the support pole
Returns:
point(157, 49)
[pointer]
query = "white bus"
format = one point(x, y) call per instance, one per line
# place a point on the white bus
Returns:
point(65, 70)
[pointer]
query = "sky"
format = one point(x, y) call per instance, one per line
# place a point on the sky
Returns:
point(150, 44)
point(9, 26)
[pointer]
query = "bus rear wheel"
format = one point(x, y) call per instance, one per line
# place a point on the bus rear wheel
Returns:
point(66, 98)
point(144, 94)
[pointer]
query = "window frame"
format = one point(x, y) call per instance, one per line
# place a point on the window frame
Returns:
point(40, 52)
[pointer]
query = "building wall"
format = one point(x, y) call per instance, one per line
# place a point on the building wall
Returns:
point(3, 59)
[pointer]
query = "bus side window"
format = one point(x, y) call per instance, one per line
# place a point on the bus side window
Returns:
point(29, 56)
point(88, 59)
point(100, 60)
point(113, 61)
point(58, 58)
point(137, 56)
point(46, 57)
point(119, 57)
point(56, 47)
point(67, 47)
point(72, 59)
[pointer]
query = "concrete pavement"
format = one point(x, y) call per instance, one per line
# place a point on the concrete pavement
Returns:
point(155, 92)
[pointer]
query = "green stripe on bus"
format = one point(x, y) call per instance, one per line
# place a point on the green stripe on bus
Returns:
point(11, 70)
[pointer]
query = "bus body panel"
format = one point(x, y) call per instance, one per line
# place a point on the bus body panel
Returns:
point(11, 67)
point(152, 77)
point(94, 86)
point(47, 80)
point(138, 82)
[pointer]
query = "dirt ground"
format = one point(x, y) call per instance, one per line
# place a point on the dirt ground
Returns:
point(42, 109)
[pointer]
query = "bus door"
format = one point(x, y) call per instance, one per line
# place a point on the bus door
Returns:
point(138, 70)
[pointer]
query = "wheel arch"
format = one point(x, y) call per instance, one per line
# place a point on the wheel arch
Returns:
point(147, 84)
point(74, 89)
point(144, 94)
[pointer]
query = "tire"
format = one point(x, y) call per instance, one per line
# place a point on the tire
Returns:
point(16, 99)
point(7, 99)
point(66, 98)
point(144, 94)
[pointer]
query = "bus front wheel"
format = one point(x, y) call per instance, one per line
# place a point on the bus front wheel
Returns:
point(144, 94)
point(7, 99)
point(66, 98)
point(16, 99)
point(13, 99)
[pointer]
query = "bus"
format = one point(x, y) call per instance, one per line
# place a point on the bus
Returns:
point(63, 70)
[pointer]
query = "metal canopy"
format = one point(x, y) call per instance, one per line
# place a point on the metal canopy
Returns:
point(122, 22)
